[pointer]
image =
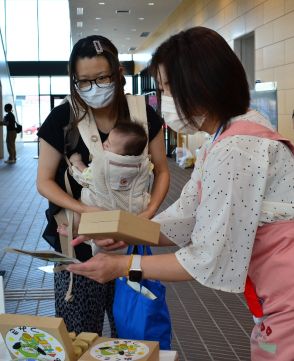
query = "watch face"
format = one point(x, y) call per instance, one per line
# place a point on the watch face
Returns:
point(135, 275)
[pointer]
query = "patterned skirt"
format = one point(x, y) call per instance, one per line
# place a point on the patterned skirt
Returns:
point(91, 301)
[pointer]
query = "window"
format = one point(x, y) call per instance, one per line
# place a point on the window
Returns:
point(54, 30)
point(33, 100)
point(43, 35)
point(2, 22)
point(129, 84)
point(60, 85)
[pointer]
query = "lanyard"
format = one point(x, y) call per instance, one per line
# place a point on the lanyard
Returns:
point(218, 133)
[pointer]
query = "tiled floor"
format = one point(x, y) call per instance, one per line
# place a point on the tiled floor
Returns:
point(207, 325)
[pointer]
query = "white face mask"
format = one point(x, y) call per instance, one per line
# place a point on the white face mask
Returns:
point(171, 118)
point(98, 97)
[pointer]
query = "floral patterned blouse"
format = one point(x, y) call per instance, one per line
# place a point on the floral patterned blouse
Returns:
point(246, 181)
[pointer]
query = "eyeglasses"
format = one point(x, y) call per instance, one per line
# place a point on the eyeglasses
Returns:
point(85, 85)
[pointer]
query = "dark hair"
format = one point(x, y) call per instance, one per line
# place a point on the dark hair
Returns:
point(8, 107)
point(203, 73)
point(135, 136)
point(85, 48)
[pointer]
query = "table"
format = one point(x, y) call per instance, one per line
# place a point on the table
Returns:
point(168, 356)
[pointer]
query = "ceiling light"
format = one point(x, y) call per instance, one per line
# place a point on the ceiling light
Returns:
point(101, 3)
point(98, 18)
point(79, 24)
point(141, 18)
point(150, 4)
point(80, 11)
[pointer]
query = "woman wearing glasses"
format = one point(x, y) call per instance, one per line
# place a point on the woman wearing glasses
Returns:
point(97, 96)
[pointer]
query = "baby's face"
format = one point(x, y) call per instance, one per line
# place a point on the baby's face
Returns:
point(114, 143)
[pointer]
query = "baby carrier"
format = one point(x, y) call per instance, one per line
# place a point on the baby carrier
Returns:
point(118, 181)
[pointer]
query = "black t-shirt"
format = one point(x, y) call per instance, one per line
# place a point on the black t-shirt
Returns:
point(52, 131)
point(9, 121)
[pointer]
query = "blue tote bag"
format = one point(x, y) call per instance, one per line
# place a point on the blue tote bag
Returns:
point(138, 314)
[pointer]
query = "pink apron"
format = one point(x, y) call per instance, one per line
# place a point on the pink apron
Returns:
point(269, 290)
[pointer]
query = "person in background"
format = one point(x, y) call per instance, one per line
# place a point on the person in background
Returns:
point(9, 122)
point(234, 220)
point(97, 98)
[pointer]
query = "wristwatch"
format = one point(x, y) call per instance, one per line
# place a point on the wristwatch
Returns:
point(135, 272)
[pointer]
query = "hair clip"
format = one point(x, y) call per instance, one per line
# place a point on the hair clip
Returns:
point(98, 46)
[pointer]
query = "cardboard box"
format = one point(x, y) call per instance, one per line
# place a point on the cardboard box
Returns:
point(46, 255)
point(120, 225)
point(120, 350)
point(27, 336)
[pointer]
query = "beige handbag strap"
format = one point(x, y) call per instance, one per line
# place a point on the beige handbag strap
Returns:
point(70, 249)
point(65, 216)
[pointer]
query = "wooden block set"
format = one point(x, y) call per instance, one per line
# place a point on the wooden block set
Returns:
point(30, 338)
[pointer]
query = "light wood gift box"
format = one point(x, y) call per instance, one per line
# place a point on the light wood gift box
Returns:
point(52, 325)
point(120, 225)
point(153, 354)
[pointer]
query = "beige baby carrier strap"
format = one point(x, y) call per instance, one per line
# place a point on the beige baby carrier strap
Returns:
point(137, 109)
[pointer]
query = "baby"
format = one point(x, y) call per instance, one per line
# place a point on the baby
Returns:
point(123, 139)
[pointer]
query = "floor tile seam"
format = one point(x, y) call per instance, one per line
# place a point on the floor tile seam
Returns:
point(192, 323)
point(213, 320)
point(16, 228)
point(232, 315)
point(6, 282)
point(27, 233)
point(16, 186)
point(174, 334)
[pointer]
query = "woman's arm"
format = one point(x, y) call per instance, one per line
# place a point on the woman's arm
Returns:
point(161, 175)
point(105, 267)
point(49, 159)
point(110, 244)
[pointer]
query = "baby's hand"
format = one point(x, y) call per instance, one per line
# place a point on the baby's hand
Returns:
point(76, 157)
